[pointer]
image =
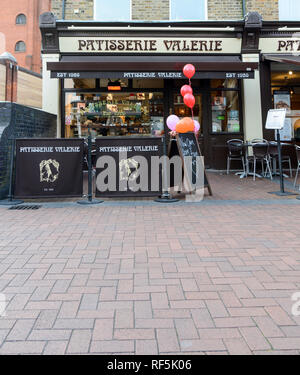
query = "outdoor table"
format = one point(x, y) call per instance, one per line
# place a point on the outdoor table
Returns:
point(243, 174)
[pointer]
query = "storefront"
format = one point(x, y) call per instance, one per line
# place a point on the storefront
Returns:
point(124, 80)
point(280, 61)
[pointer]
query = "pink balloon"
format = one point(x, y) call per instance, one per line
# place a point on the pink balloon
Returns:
point(197, 126)
point(172, 121)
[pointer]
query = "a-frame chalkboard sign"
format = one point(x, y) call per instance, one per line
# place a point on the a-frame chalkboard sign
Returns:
point(186, 144)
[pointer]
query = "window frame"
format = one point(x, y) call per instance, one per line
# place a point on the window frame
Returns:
point(205, 12)
point(21, 24)
point(130, 12)
point(20, 41)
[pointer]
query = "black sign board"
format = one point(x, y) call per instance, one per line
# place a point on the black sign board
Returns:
point(188, 148)
point(128, 166)
point(151, 75)
point(49, 168)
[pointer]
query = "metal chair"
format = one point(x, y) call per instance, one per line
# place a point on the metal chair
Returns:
point(260, 153)
point(273, 151)
point(235, 152)
point(297, 148)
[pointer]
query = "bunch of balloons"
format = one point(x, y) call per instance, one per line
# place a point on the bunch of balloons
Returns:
point(186, 124)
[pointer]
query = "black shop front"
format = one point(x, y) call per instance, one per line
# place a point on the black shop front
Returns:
point(124, 80)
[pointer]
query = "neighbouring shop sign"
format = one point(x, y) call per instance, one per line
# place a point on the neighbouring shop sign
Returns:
point(128, 166)
point(280, 45)
point(49, 168)
point(164, 45)
point(151, 75)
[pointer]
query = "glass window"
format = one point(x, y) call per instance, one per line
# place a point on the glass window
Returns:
point(112, 10)
point(114, 114)
point(188, 10)
point(21, 19)
point(181, 110)
point(224, 83)
point(289, 10)
point(20, 47)
point(80, 83)
point(225, 112)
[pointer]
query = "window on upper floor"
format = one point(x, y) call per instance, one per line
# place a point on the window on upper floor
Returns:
point(289, 10)
point(112, 10)
point(21, 19)
point(188, 10)
point(20, 46)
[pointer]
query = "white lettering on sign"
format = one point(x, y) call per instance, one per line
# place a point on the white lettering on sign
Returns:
point(50, 149)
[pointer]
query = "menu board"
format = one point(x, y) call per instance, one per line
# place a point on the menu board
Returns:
point(282, 100)
point(190, 153)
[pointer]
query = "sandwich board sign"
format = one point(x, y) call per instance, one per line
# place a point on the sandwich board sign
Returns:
point(276, 119)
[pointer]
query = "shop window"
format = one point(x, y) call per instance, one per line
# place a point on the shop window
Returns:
point(79, 83)
point(289, 10)
point(181, 110)
point(224, 83)
point(21, 19)
point(188, 10)
point(147, 83)
point(20, 46)
point(225, 112)
point(112, 10)
point(114, 114)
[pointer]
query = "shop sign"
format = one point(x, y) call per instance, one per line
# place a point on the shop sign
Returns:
point(152, 75)
point(49, 168)
point(120, 45)
point(128, 166)
point(280, 45)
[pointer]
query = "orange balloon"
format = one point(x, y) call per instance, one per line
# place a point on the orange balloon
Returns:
point(185, 125)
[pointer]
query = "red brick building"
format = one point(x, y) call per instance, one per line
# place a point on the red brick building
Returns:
point(19, 31)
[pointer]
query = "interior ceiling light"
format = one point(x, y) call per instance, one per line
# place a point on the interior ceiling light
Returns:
point(290, 73)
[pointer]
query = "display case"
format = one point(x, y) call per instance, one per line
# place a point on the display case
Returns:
point(114, 114)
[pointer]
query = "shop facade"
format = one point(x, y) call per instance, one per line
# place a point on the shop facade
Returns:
point(124, 79)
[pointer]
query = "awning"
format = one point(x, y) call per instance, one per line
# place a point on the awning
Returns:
point(150, 67)
point(285, 59)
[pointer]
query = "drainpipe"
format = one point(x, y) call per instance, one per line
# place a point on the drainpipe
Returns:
point(63, 9)
point(244, 7)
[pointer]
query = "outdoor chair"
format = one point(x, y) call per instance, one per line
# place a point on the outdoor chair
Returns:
point(297, 148)
point(235, 152)
point(261, 154)
point(273, 152)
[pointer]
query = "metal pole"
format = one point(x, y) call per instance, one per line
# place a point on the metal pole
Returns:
point(244, 7)
point(166, 197)
point(280, 163)
point(90, 174)
point(63, 9)
point(90, 171)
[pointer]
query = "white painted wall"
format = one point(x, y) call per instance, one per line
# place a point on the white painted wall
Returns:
point(252, 103)
point(51, 90)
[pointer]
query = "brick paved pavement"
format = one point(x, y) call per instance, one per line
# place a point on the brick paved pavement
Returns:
point(144, 278)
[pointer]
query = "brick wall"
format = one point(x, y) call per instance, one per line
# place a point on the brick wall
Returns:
point(150, 9)
point(159, 9)
point(267, 8)
point(85, 7)
point(224, 9)
point(17, 121)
